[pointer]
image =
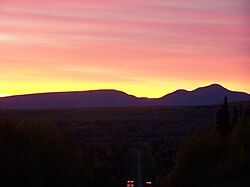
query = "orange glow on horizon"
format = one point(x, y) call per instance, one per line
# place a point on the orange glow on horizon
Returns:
point(144, 48)
point(139, 90)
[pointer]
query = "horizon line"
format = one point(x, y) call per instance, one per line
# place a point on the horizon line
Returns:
point(110, 89)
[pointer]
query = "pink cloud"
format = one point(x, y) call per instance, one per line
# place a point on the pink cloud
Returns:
point(156, 39)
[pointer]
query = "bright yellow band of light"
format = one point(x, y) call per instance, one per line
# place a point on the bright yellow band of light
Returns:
point(144, 48)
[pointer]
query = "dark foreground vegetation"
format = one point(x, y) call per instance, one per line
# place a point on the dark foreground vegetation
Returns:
point(34, 154)
point(99, 147)
point(215, 156)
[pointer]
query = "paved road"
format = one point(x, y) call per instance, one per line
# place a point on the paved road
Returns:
point(139, 180)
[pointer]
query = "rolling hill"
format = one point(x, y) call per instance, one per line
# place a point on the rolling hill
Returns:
point(212, 94)
point(208, 95)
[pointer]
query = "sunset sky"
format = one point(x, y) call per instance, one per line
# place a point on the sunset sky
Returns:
point(143, 47)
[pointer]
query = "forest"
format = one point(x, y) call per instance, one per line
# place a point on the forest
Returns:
point(177, 146)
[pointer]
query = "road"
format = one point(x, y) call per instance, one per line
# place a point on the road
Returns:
point(139, 168)
point(139, 180)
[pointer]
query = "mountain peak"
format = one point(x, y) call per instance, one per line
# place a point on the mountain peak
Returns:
point(212, 88)
point(218, 86)
point(207, 95)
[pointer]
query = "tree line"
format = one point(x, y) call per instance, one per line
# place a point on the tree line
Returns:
point(33, 153)
point(217, 154)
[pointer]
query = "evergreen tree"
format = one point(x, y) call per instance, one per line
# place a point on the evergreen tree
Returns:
point(241, 110)
point(235, 116)
point(245, 114)
point(0, 107)
point(222, 120)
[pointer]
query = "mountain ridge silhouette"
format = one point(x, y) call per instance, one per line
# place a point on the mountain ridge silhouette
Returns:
point(207, 95)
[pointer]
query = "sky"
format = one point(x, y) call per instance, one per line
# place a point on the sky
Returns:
point(142, 47)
